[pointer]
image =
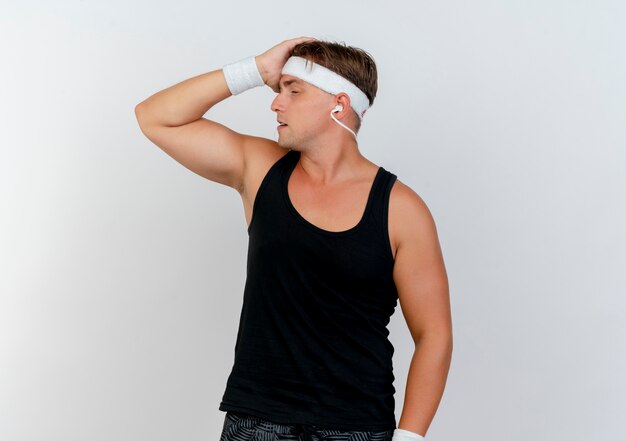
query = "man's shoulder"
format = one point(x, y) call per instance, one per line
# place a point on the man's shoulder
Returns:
point(403, 198)
point(260, 155)
point(408, 213)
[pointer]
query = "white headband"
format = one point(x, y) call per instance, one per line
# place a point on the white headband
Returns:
point(328, 81)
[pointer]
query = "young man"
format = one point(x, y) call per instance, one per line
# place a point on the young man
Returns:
point(334, 242)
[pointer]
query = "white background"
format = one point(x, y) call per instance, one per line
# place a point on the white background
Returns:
point(122, 272)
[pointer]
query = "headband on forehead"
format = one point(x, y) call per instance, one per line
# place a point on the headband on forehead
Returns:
point(328, 81)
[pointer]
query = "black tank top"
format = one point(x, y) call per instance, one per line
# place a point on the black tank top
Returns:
point(312, 344)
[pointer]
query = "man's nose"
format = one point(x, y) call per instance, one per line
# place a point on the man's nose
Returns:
point(277, 104)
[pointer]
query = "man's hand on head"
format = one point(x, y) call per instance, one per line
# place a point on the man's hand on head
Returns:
point(271, 62)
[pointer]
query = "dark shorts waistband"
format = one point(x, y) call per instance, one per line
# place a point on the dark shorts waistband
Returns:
point(240, 426)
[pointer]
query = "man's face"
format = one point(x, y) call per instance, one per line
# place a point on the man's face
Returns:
point(304, 108)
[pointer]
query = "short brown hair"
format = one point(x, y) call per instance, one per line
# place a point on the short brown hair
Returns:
point(352, 63)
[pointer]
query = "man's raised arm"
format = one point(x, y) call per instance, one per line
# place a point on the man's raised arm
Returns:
point(173, 118)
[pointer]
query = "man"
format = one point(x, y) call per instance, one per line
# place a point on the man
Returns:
point(334, 241)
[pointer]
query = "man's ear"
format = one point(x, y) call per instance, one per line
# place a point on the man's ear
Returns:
point(348, 112)
point(343, 99)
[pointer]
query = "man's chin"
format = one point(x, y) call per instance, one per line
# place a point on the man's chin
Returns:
point(284, 144)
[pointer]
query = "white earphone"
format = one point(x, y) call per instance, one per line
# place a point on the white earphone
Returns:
point(339, 108)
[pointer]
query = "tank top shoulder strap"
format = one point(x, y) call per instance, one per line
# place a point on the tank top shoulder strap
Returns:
point(380, 196)
point(377, 229)
point(274, 170)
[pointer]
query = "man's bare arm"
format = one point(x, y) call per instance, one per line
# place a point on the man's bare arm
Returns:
point(421, 278)
point(173, 120)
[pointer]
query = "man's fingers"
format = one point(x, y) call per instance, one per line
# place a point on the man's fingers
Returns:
point(272, 60)
point(302, 40)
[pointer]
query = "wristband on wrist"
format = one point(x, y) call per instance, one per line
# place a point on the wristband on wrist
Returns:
point(242, 75)
point(406, 435)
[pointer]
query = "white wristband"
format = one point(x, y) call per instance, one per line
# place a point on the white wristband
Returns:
point(406, 435)
point(242, 75)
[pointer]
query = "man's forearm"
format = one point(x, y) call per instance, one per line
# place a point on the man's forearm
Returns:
point(184, 102)
point(426, 382)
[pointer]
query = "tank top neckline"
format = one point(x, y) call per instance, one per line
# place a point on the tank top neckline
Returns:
point(368, 206)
